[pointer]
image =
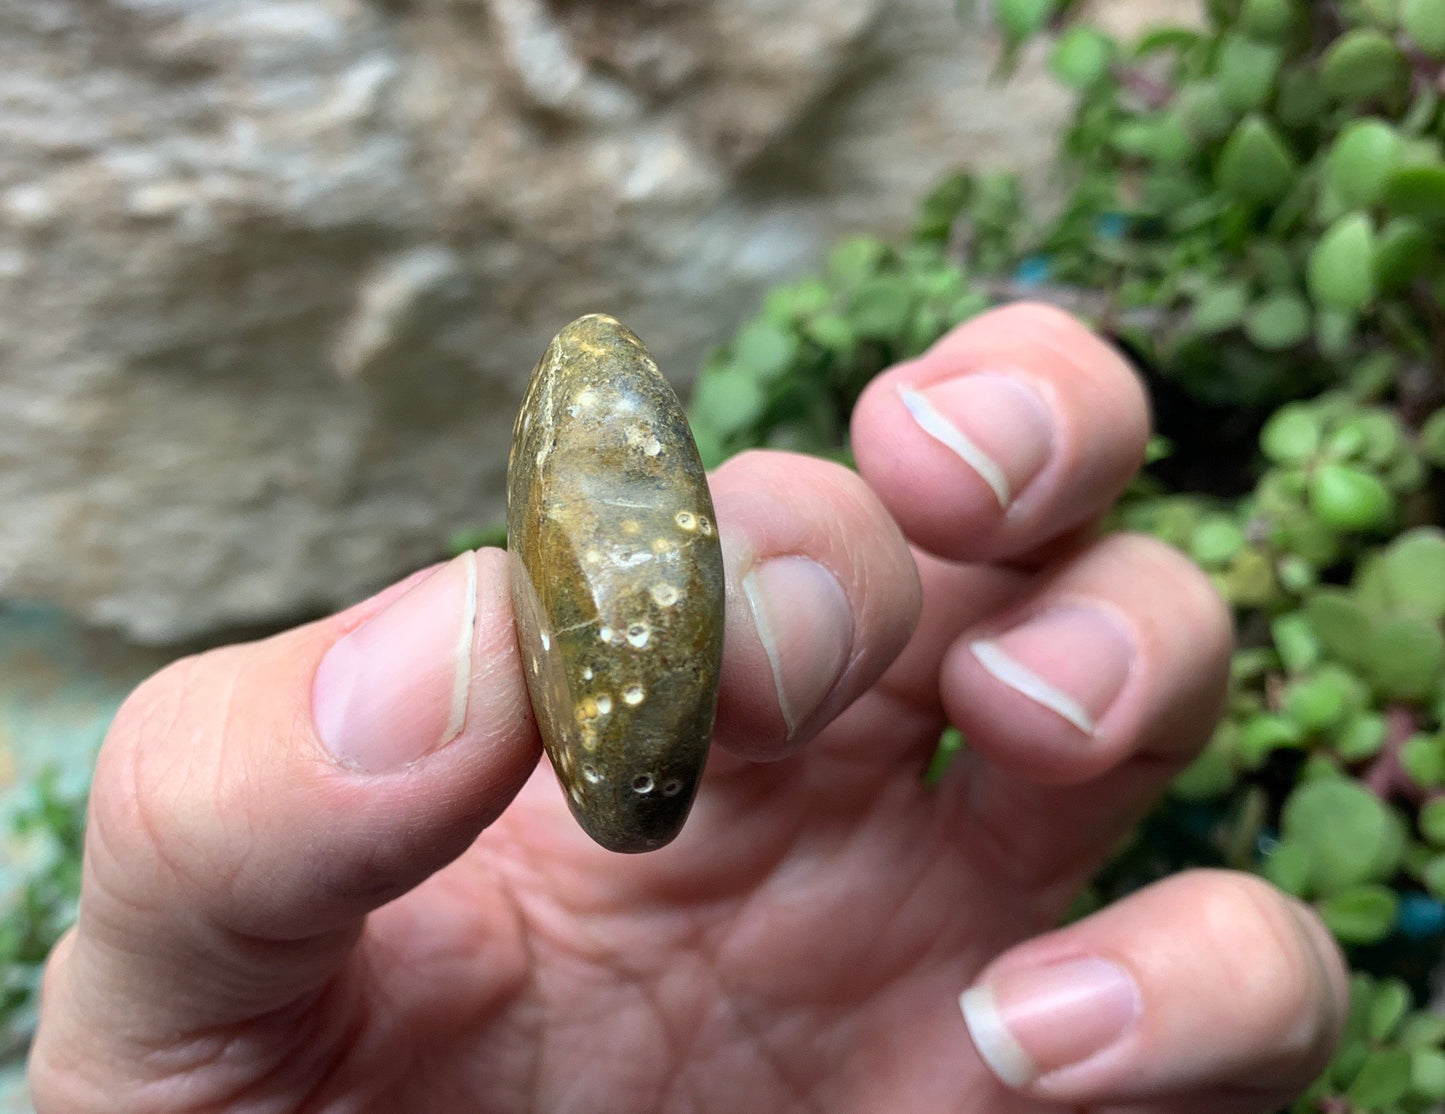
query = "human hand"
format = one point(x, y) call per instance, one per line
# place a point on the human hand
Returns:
point(306, 889)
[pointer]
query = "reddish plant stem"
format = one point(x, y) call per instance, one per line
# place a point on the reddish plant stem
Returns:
point(1152, 91)
point(1385, 777)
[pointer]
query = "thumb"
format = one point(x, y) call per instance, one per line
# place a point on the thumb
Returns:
point(252, 804)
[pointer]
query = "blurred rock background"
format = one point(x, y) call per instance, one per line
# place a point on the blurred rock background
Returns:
point(272, 273)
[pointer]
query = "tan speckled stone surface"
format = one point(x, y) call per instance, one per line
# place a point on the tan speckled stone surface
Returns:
point(617, 583)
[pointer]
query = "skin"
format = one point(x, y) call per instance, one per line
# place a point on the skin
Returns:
point(264, 929)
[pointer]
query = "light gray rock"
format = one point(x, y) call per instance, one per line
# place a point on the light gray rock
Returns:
point(272, 272)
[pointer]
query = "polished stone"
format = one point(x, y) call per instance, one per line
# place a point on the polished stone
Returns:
point(617, 583)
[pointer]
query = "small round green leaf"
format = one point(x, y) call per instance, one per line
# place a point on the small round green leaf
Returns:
point(1423, 1030)
point(1384, 440)
point(1081, 57)
point(940, 285)
point(1424, 21)
point(853, 260)
point(1308, 537)
point(765, 350)
point(1350, 834)
point(1256, 164)
point(1383, 13)
point(1292, 435)
point(1278, 321)
point(802, 299)
point(1302, 98)
point(1211, 774)
point(1341, 269)
point(1216, 540)
point(1295, 641)
point(1432, 821)
point(1385, 1077)
point(1432, 439)
point(1423, 761)
point(1245, 72)
point(831, 331)
point(1288, 866)
point(1201, 110)
point(1350, 500)
point(1335, 332)
point(1406, 474)
point(1427, 1073)
point(1262, 735)
point(1267, 19)
point(1022, 18)
point(1362, 65)
point(1219, 307)
point(1417, 190)
point(1412, 571)
point(1405, 656)
point(1249, 580)
point(1296, 575)
point(1403, 251)
point(1159, 137)
point(1360, 161)
point(1362, 737)
point(1433, 875)
point(1420, 150)
point(1319, 702)
point(941, 207)
point(1346, 442)
point(1388, 1006)
point(1321, 768)
point(1353, 1051)
point(882, 307)
point(727, 401)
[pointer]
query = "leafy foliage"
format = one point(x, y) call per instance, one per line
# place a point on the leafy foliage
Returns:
point(46, 834)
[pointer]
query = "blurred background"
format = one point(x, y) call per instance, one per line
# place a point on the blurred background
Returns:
point(273, 272)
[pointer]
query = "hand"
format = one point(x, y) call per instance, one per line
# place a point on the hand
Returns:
point(306, 889)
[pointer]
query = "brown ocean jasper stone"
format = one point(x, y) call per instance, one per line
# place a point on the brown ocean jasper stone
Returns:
point(617, 583)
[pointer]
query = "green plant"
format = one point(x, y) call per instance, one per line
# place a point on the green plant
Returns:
point(46, 832)
point(1390, 1057)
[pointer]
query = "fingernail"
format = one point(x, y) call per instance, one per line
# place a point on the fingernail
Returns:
point(1027, 1024)
point(396, 687)
point(997, 424)
point(806, 627)
point(1072, 660)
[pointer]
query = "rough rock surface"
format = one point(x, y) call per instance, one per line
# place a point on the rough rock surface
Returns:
point(273, 272)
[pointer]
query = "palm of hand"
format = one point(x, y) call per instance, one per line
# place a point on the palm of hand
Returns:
point(814, 907)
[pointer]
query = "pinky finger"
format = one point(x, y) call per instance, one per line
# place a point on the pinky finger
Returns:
point(1208, 991)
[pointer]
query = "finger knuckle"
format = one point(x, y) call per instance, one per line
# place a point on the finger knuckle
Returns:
point(1044, 317)
point(1275, 973)
point(1195, 604)
point(126, 775)
point(1082, 348)
point(154, 796)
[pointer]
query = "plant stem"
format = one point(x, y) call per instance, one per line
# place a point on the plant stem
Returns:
point(1385, 776)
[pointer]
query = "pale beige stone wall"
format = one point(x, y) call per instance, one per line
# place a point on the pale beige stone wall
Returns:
point(271, 272)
